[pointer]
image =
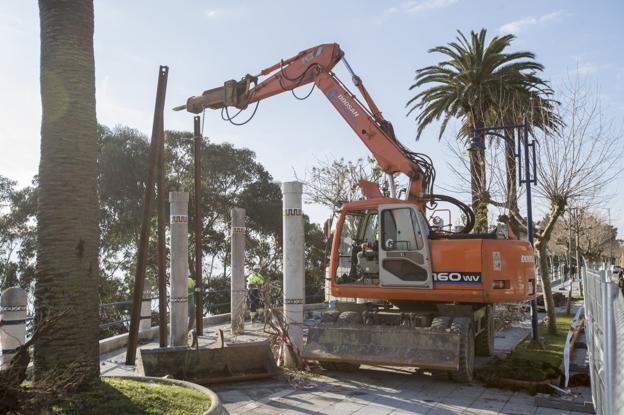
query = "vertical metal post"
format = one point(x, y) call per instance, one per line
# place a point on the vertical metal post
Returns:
point(570, 245)
point(530, 230)
point(612, 239)
point(199, 286)
point(578, 256)
point(139, 278)
point(162, 223)
point(609, 340)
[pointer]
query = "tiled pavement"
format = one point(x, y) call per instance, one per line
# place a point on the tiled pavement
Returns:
point(370, 390)
point(377, 392)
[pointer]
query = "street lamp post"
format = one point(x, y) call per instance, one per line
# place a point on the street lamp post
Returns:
point(529, 178)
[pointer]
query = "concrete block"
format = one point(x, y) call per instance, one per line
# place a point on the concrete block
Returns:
point(240, 361)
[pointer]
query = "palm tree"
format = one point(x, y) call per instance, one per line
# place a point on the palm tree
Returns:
point(474, 82)
point(67, 233)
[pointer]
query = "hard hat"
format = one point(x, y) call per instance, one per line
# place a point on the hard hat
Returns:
point(256, 268)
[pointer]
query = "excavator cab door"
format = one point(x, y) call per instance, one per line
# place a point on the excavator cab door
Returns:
point(404, 259)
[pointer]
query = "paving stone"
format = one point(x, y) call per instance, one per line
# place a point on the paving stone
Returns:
point(472, 411)
point(463, 399)
point(233, 396)
point(498, 394)
point(492, 405)
point(264, 410)
point(418, 407)
point(374, 410)
point(522, 398)
point(550, 411)
point(512, 408)
point(344, 407)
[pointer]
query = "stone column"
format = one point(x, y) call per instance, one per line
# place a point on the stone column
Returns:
point(12, 322)
point(146, 313)
point(178, 297)
point(294, 284)
point(239, 293)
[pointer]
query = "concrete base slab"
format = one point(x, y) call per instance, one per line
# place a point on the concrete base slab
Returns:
point(234, 362)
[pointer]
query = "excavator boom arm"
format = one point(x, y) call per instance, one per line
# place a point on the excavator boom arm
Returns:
point(315, 65)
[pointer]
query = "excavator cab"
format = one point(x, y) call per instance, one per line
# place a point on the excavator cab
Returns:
point(386, 246)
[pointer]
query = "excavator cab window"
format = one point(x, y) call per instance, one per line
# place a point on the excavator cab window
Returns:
point(359, 249)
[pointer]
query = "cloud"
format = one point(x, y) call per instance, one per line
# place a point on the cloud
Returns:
point(420, 6)
point(213, 13)
point(588, 68)
point(519, 25)
point(413, 7)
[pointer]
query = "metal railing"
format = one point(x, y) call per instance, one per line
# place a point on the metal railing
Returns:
point(604, 323)
point(209, 305)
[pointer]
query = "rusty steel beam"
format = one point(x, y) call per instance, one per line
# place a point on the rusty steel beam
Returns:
point(154, 156)
point(199, 288)
point(162, 223)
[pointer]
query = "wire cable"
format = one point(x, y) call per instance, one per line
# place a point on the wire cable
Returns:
point(227, 116)
point(464, 208)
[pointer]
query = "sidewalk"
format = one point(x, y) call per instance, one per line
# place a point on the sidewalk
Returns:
point(369, 390)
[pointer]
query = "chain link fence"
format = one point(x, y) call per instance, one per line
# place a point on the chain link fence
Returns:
point(604, 322)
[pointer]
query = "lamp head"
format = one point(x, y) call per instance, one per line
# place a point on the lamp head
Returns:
point(476, 144)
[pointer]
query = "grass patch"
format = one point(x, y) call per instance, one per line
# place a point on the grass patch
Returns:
point(552, 350)
point(122, 396)
point(530, 361)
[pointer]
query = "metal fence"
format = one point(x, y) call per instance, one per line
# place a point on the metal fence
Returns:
point(604, 322)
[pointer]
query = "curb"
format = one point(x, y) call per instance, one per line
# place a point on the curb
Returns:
point(216, 407)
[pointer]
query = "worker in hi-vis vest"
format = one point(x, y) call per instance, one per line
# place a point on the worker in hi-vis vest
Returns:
point(254, 284)
point(190, 283)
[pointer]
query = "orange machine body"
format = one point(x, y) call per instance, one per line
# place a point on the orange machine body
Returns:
point(507, 268)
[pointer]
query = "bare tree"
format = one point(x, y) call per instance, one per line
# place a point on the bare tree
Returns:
point(575, 164)
point(597, 238)
point(334, 181)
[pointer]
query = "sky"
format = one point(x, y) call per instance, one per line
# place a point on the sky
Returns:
point(205, 43)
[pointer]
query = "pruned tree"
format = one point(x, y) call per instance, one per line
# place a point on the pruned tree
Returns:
point(574, 166)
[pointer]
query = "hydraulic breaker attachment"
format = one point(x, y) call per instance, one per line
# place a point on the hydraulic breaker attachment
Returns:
point(232, 94)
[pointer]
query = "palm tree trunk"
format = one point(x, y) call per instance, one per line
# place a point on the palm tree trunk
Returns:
point(67, 233)
point(512, 190)
point(478, 190)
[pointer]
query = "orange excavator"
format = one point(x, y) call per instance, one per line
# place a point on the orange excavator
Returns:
point(430, 291)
